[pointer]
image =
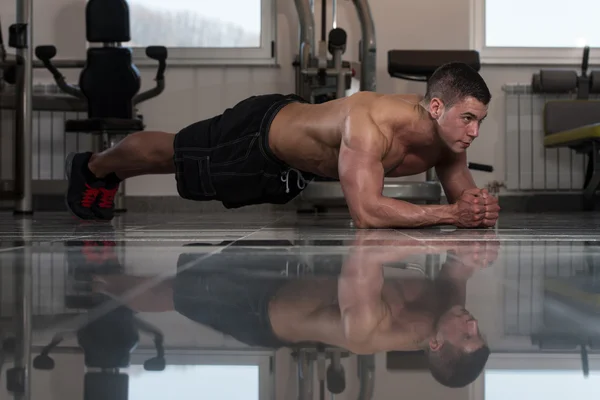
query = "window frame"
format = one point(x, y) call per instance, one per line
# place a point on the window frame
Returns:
point(264, 359)
point(521, 55)
point(533, 362)
point(197, 56)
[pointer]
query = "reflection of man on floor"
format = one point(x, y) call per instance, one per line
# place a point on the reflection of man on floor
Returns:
point(358, 311)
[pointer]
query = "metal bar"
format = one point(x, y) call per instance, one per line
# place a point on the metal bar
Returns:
point(334, 14)
point(341, 74)
point(366, 376)
point(307, 42)
point(23, 312)
point(305, 375)
point(23, 118)
point(368, 78)
point(68, 64)
point(323, 20)
point(329, 71)
point(307, 29)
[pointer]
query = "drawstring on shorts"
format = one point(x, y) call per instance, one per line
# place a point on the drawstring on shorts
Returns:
point(300, 181)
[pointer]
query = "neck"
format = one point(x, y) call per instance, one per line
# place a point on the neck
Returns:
point(425, 115)
point(424, 106)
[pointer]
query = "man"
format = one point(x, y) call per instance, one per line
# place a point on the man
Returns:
point(359, 311)
point(266, 148)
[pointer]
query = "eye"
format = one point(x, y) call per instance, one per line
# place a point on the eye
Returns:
point(467, 119)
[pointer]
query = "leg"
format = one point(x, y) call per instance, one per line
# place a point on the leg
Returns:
point(94, 178)
point(141, 153)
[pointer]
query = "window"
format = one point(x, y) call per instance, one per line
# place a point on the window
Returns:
point(208, 373)
point(205, 31)
point(535, 31)
point(526, 376)
point(547, 385)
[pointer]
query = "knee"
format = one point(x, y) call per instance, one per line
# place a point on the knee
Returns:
point(150, 146)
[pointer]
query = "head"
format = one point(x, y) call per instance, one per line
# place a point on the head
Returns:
point(457, 353)
point(457, 99)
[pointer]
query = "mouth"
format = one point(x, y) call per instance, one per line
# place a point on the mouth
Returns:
point(465, 144)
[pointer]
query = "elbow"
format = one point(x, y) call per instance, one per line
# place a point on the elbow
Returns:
point(358, 330)
point(365, 217)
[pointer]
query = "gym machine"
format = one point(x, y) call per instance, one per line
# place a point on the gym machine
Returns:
point(573, 122)
point(108, 84)
point(331, 378)
point(319, 79)
point(107, 340)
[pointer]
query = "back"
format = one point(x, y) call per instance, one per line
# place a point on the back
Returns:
point(309, 136)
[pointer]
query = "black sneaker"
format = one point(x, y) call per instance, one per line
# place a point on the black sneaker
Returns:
point(84, 188)
point(104, 207)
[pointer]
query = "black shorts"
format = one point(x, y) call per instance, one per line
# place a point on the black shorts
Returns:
point(234, 304)
point(227, 158)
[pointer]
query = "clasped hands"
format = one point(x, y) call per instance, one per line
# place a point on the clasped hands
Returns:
point(476, 208)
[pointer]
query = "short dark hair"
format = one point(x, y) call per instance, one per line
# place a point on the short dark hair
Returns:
point(456, 81)
point(455, 368)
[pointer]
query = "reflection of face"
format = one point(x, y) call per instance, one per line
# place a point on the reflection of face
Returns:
point(458, 125)
point(458, 327)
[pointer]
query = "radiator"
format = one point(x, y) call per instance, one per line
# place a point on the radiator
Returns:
point(50, 144)
point(529, 166)
point(526, 268)
point(49, 279)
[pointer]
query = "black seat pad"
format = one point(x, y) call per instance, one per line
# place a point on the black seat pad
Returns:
point(104, 124)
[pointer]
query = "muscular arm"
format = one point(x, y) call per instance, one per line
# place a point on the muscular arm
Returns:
point(360, 299)
point(454, 176)
point(361, 175)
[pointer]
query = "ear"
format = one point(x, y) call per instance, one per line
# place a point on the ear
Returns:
point(436, 108)
point(434, 344)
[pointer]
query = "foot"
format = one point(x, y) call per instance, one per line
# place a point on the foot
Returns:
point(104, 207)
point(89, 197)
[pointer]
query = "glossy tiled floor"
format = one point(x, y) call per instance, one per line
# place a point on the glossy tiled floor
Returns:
point(226, 286)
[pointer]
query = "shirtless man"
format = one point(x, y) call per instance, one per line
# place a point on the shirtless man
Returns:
point(266, 148)
point(359, 311)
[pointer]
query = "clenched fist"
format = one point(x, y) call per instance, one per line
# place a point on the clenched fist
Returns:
point(476, 208)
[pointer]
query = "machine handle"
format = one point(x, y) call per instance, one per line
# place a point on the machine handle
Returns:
point(481, 167)
point(158, 53)
point(46, 54)
point(337, 40)
point(586, 61)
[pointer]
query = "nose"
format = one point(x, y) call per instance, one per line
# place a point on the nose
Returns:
point(472, 327)
point(473, 132)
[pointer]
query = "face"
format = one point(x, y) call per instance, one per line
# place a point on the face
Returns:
point(458, 125)
point(458, 327)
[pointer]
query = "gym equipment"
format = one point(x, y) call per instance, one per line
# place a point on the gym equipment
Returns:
point(331, 378)
point(107, 342)
point(109, 81)
point(17, 70)
point(574, 123)
point(319, 79)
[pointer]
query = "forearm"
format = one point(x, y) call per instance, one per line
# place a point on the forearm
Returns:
point(391, 213)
